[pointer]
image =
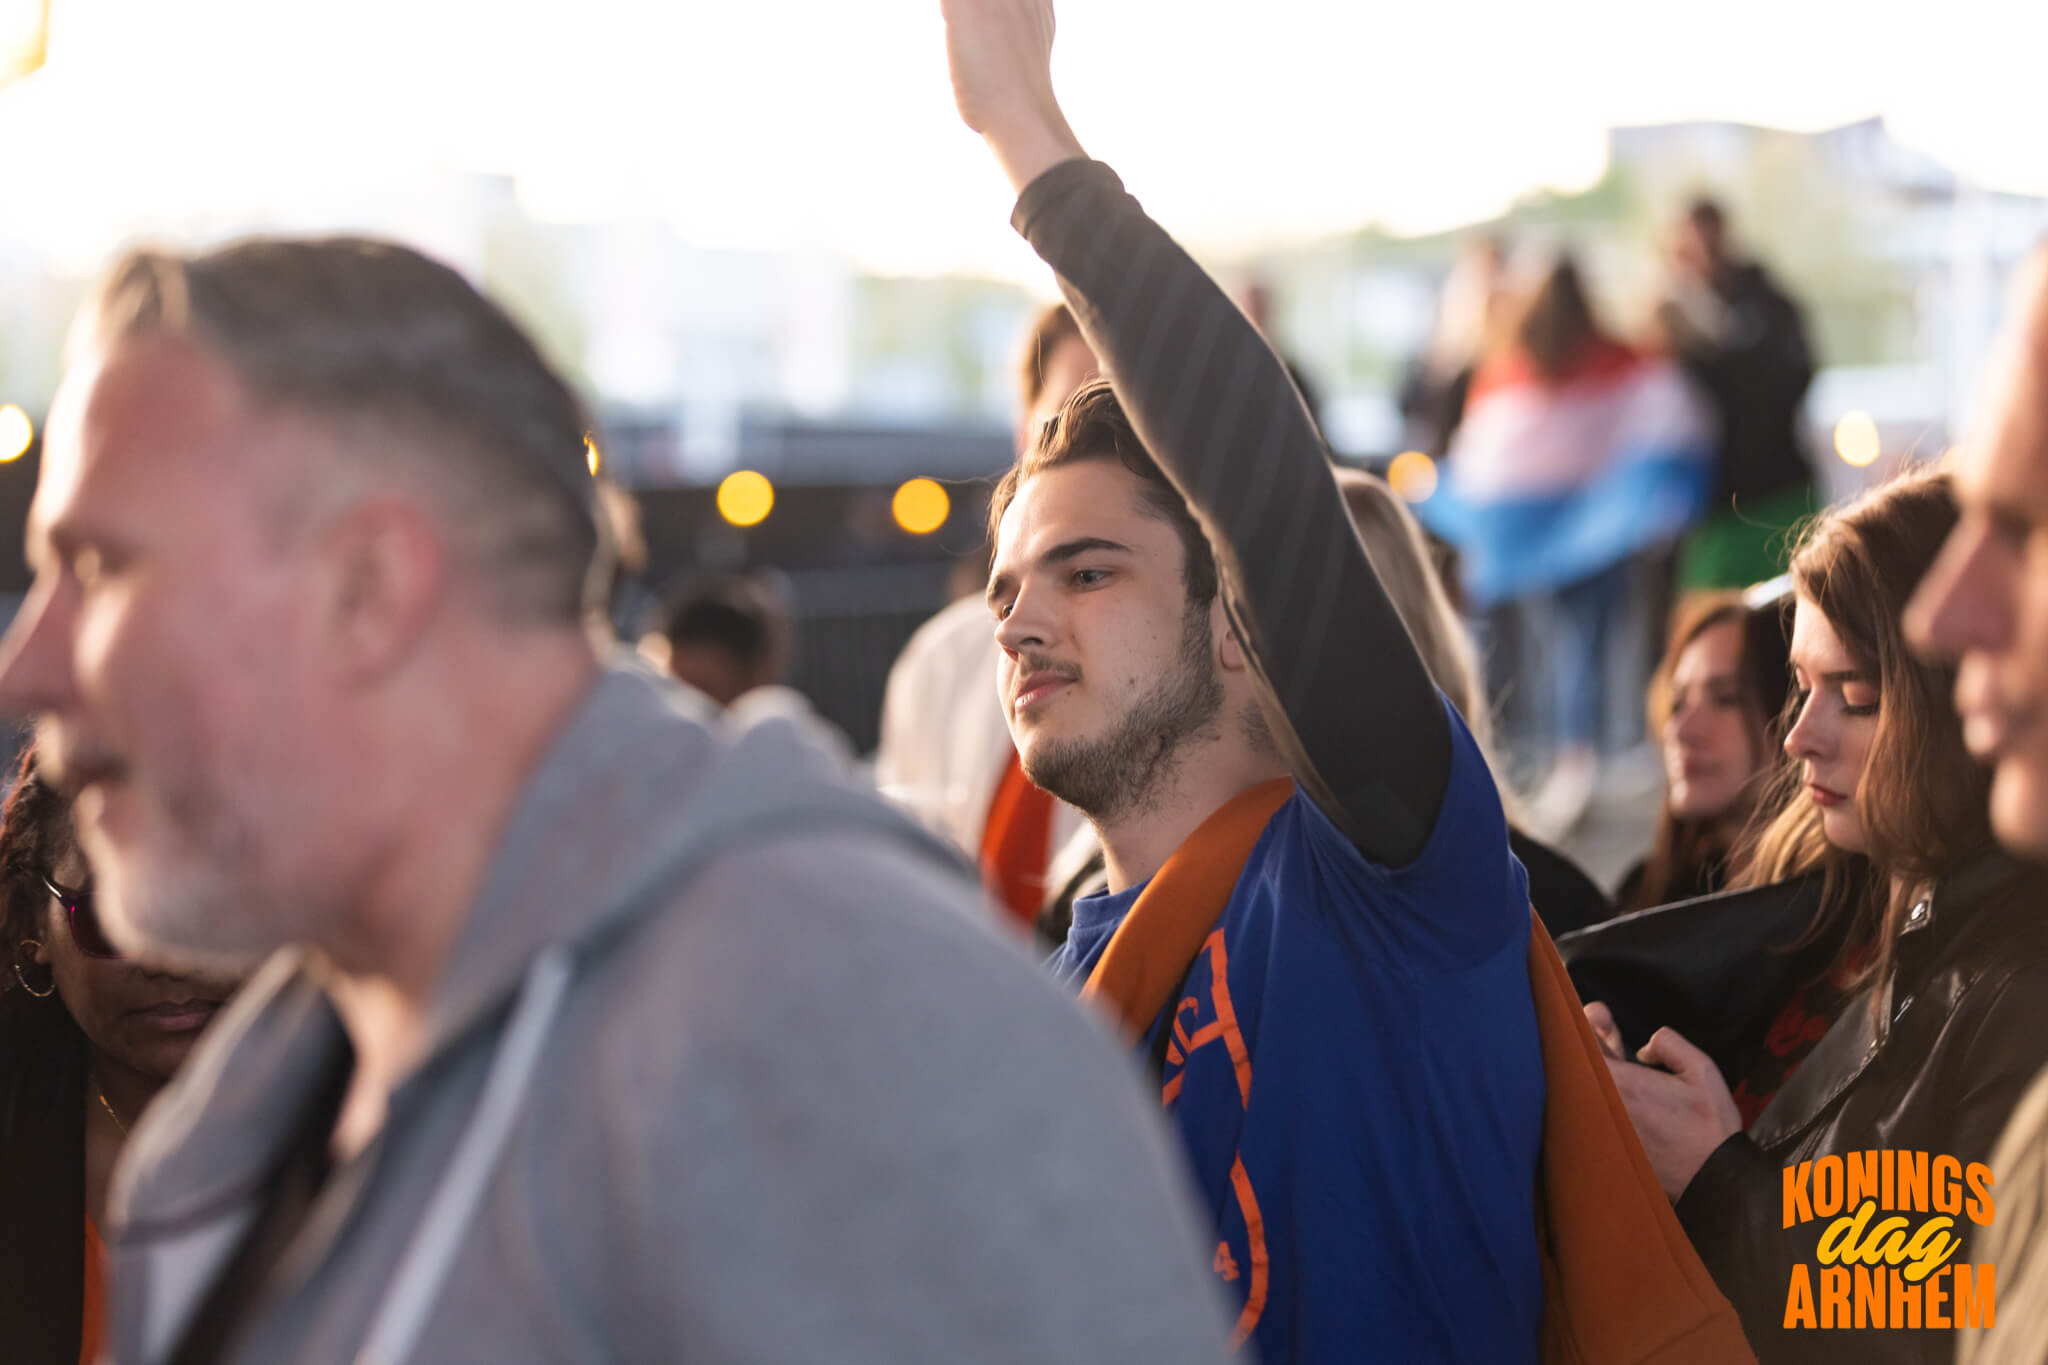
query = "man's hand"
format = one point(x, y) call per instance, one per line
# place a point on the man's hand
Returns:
point(1000, 52)
point(1682, 1114)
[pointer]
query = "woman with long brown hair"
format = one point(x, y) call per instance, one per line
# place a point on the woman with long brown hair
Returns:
point(1880, 979)
point(1714, 705)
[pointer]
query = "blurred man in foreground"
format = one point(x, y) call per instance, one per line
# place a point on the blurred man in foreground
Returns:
point(1985, 603)
point(588, 1031)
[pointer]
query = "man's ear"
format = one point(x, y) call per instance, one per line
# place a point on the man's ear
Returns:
point(383, 571)
point(1229, 649)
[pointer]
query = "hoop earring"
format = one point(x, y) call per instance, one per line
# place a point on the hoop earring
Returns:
point(22, 977)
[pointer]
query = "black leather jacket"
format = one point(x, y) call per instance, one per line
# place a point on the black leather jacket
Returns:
point(1960, 1032)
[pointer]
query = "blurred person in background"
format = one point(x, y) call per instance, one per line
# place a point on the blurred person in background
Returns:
point(1561, 891)
point(1984, 605)
point(1743, 340)
point(1056, 360)
point(631, 607)
point(1435, 386)
point(87, 1039)
point(1255, 297)
point(945, 750)
point(1714, 705)
point(727, 635)
point(556, 970)
point(1881, 980)
point(1576, 455)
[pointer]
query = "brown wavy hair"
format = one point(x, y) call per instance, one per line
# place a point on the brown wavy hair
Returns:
point(35, 832)
point(1092, 425)
point(1053, 328)
point(1923, 801)
point(1555, 324)
point(1680, 846)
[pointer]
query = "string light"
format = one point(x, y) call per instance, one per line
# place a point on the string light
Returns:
point(745, 498)
point(1412, 476)
point(1856, 439)
point(17, 433)
point(921, 506)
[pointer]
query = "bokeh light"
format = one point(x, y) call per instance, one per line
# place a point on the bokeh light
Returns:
point(17, 433)
point(591, 456)
point(745, 498)
point(921, 506)
point(1412, 476)
point(1856, 439)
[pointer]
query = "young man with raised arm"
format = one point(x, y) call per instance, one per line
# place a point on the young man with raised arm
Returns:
point(1309, 864)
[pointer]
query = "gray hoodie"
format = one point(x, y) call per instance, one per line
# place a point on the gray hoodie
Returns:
point(720, 1070)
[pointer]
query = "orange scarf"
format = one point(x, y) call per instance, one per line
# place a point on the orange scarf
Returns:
point(1621, 1284)
point(93, 1329)
point(1014, 843)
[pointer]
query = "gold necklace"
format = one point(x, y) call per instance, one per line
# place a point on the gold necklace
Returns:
point(108, 1107)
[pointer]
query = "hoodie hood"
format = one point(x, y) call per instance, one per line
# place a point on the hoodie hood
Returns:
point(625, 800)
point(722, 1034)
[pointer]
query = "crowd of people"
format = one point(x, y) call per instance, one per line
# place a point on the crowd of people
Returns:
point(1188, 982)
point(1592, 474)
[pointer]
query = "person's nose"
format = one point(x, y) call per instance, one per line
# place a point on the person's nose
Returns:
point(36, 653)
point(1686, 725)
point(1811, 737)
point(1029, 623)
point(1965, 603)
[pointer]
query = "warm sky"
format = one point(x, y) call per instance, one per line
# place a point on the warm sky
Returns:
point(828, 123)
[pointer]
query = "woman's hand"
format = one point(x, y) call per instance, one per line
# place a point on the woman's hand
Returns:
point(1682, 1112)
point(1605, 1029)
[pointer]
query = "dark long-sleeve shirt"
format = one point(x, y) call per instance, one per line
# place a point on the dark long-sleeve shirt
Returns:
point(1365, 729)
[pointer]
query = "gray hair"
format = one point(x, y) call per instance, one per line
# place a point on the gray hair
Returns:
point(373, 335)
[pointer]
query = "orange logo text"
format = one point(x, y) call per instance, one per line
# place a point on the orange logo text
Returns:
point(1885, 1258)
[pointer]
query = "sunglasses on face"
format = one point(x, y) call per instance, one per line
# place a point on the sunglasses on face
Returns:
point(84, 921)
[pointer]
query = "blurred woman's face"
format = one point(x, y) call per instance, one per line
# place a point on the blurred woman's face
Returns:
point(1712, 753)
point(1837, 700)
point(140, 1018)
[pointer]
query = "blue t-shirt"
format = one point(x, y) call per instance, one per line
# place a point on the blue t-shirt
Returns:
point(1355, 1072)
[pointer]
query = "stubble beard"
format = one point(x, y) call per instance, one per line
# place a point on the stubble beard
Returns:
point(183, 897)
point(1129, 770)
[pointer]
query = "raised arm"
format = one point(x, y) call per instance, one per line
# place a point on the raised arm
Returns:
point(1366, 728)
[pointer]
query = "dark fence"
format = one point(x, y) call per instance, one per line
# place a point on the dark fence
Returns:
point(850, 627)
point(859, 583)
